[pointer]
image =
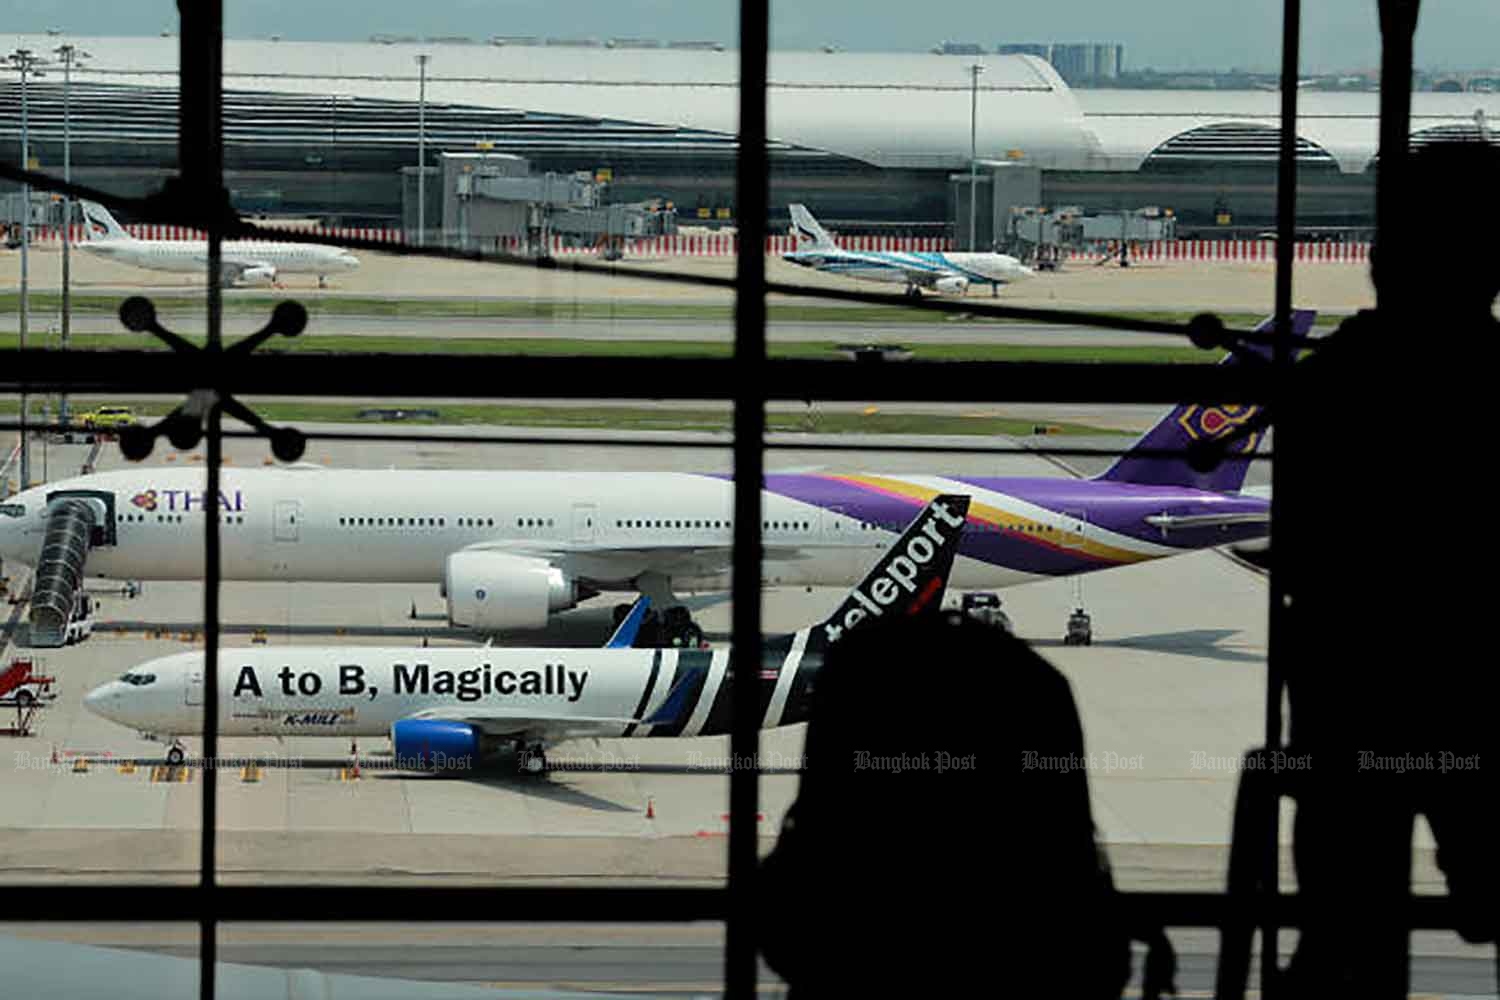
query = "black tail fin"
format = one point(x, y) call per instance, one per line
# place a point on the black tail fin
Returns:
point(911, 578)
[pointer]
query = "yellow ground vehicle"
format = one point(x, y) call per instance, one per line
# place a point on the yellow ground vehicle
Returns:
point(108, 418)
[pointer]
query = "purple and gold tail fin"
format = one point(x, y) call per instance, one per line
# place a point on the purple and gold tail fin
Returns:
point(1194, 422)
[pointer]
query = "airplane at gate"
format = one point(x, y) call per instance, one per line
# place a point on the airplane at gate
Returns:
point(510, 548)
point(445, 708)
point(242, 261)
point(945, 273)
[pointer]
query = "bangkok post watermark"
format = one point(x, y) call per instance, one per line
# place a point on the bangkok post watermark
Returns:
point(1101, 761)
point(926, 761)
point(1275, 761)
point(1434, 762)
point(68, 760)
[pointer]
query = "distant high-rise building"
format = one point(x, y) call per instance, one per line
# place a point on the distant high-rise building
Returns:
point(1074, 61)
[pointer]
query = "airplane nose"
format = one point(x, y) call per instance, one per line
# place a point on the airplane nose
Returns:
point(98, 700)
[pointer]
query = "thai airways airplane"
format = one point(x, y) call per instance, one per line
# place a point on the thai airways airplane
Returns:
point(945, 273)
point(510, 548)
point(243, 261)
point(446, 708)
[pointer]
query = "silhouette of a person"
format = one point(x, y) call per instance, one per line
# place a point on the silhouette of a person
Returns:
point(917, 855)
point(1387, 689)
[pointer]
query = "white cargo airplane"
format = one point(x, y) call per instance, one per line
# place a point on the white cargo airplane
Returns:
point(945, 273)
point(445, 708)
point(243, 261)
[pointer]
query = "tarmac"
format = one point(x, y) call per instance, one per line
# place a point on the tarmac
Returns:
point(1171, 693)
point(1243, 286)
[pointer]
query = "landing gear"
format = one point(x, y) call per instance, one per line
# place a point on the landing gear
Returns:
point(176, 753)
point(1080, 629)
point(669, 622)
point(322, 281)
point(679, 630)
point(530, 759)
point(913, 292)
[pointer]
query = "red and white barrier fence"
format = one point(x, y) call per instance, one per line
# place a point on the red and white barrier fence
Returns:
point(727, 245)
point(1230, 250)
point(49, 234)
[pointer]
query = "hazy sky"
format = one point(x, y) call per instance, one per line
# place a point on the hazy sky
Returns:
point(1167, 34)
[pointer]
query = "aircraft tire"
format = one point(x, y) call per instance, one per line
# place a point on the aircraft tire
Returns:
point(175, 756)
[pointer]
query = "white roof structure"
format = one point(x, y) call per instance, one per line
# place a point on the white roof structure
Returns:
point(894, 110)
point(1132, 124)
point(891, 110)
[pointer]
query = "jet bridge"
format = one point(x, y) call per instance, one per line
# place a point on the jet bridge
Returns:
point(76, 523)
point(493, 200)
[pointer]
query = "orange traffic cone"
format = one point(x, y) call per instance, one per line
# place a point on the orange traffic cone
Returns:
point(650, 808)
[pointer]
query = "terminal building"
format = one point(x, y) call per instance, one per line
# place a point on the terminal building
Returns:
point(872, 142)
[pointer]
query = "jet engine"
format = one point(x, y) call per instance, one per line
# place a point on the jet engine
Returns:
point(435, 745)
point(261, 274)
point(497, 591)
point(952, 285)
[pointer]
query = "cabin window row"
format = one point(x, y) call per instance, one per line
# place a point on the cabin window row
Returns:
point(171, 518)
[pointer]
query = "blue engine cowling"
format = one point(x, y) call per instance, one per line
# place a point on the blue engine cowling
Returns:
point(435, 745)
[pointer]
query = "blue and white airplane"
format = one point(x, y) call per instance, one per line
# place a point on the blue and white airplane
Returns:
point(944, 273)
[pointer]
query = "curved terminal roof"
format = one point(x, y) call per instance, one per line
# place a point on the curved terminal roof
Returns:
point(1132, 125)
point(892, 110)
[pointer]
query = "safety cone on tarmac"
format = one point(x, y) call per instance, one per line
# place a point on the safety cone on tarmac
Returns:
point(650, 808)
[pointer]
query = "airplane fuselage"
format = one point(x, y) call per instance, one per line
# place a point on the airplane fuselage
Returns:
point(322, 525)
point(927, 270)
point(191, 256)
point(545, 694)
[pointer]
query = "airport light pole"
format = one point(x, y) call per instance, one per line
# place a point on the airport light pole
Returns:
point(69, 56)
point(26, 62)
point(422, 60)
point(974, 72)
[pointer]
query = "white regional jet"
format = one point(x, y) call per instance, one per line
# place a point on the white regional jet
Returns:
point(945, 273)
point(445, 708)
point(243, 261)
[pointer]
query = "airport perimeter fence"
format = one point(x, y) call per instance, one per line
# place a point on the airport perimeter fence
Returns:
point(724, 245)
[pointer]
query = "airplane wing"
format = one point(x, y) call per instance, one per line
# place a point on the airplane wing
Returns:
point(527, 724)
point(1169, 522)
point(600, 562)
point(925, 278)
point(232, 271)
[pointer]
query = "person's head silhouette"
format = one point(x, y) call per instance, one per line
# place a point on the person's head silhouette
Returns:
point(1437, 238)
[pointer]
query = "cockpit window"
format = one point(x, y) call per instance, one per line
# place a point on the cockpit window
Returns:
point(139, 680)
point(13, 509)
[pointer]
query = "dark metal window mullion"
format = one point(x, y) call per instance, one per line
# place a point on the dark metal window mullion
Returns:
point(201, 169)
point(1282, 357)
point(749, 467)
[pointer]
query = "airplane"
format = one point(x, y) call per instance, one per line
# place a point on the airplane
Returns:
point(446, 708)
point(510, 548)
point(944, 273)
point(243, 261)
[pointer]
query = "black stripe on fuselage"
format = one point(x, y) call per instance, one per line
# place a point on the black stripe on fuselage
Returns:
point(688, 662)
point(777, 654)
point(640, 708)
